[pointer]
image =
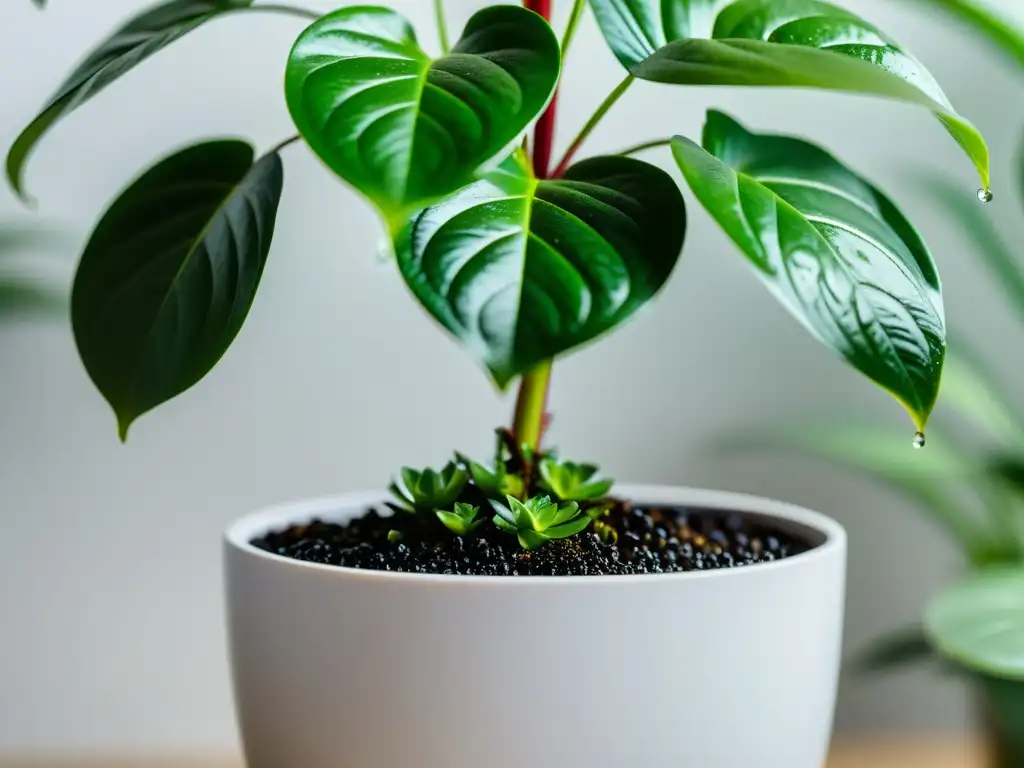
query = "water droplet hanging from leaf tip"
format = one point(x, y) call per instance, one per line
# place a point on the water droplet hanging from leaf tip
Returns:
point(919, 440)
point(985, 195)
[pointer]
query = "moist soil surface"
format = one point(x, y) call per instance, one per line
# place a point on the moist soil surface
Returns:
point(627, 540)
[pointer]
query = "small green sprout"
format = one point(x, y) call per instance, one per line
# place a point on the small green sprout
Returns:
point(462, 520)
point(429, 490)
point(394, 536)
point(496, 483)
point(539, 520)
point(569, 481)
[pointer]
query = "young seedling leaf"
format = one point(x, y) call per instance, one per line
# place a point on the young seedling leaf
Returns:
point(979, 623)
point(462, 520)
point(803, 43)
point(521, 270)
point(407, 130)
point(832, 248)
point(169, 274)
point(139, 38)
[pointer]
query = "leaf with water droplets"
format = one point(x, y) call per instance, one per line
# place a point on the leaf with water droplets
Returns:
point(782, 43)
point(522, 270)
point(832, 248)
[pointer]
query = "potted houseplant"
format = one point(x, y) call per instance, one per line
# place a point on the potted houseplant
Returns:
point(493, 612)
point(970, 483)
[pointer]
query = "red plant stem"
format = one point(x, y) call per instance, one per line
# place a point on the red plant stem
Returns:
point(544, 134)
point(531, 414)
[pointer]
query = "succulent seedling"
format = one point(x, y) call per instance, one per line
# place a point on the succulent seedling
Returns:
point(462, 520)
point(496, 482)
point(427, 490)
point(539, 520)
point(568, 481)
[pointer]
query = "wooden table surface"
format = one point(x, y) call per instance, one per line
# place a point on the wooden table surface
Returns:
point(935, 753)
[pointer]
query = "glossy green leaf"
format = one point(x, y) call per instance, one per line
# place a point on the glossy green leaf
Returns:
point(170, 272)
point(979, 623)
point(134, 42)
point(884, 454)
point(803, 43)
point(893, 651)
point(521, 270)
point(407, 130)
point(832, 248)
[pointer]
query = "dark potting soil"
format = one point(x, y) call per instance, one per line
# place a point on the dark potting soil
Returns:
point(625, 541)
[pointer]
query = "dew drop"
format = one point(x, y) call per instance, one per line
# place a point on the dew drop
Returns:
point(919, 440)
point(985, 195)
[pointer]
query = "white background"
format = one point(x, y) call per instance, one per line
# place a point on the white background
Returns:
point(110, 597)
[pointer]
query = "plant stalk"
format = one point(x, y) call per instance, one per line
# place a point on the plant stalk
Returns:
point(637, 148)
point(592, 123)
point(570, 28)
point(442, 26)
point(291, 10)
point(531, 406)
point(531, 402)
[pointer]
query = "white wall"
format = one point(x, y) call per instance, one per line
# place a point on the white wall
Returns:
point(110, 599)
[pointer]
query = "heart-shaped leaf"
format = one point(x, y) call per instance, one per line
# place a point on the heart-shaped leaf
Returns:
point(522, 270)
point(404, 129)
point(133, 43)
point(170, 272)
point(979, 623)
point(833, 249)
point(805, 43)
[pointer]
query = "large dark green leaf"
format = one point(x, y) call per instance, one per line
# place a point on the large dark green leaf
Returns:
point(130, 45)
point(170, 272)
point(407, 130)
point(833, 249)
point(521, 270)
point(803, 43)
point(979, 623)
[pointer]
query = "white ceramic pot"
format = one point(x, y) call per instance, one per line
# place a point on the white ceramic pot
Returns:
point(345, 668)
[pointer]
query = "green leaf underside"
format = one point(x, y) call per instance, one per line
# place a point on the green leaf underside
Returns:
point(130, 45)
point(407, 130)
point(979, 623)
point(833, 249)
point(801, 43)
point(521, 270)
point(170, 272)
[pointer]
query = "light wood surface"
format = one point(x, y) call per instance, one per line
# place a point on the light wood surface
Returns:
point(935, 753)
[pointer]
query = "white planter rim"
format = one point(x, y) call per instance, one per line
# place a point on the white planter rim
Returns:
point(825, 534)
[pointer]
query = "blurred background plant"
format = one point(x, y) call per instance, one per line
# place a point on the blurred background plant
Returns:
point(26, 291)
point(969, 480)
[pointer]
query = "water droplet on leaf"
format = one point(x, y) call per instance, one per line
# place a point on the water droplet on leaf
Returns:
point(919, 440)
point(985, 195)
